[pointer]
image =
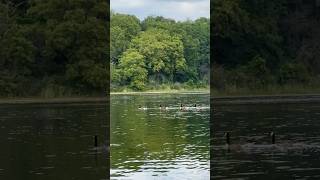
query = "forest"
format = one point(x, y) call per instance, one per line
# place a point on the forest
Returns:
point(61, 48)
point(158, 53)
point(265, 46)
point(54, 48)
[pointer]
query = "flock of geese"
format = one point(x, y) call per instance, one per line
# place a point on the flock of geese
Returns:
point(182, 107)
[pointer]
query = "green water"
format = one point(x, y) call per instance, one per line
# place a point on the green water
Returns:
point(159, 144)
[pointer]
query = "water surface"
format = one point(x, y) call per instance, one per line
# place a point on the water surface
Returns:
point(53, 141)
point(251, 154)
point(159, 144)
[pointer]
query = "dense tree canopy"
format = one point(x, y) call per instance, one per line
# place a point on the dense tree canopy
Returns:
point(123, 29)
point(53, 47)
point(164, 51)
point(56, 47)
point(257, 44)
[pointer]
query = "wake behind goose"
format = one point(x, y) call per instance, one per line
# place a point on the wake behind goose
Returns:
point(181, 107)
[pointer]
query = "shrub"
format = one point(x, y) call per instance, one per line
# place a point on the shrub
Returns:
point(293, 73)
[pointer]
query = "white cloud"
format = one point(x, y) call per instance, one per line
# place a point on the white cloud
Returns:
point(175, 9)
point(121, 4)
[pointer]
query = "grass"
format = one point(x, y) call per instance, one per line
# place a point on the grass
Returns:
point(164, 91)
point(164, 88)
point(289, 89)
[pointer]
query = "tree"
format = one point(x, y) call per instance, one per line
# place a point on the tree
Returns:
point(118, 43)
point(123, 29)
point(241, 31)
point(158, 22)
point(133, 69)
point(16, 54)
point(173, 51)
point(163, 52)
point(73, 44)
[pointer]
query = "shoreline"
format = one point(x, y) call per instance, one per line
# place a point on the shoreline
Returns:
point(266, 99)
point(60, 100)
point(217, 100)
point(162, 92)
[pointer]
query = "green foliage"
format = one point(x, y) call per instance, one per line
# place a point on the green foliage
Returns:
point(118, 43)
point(157, 22)
point(123, 29)
point(133, 69)
point(163, 53)
point(258, 72)
point(56, 44)
point(239, 31)
point(293, 73)
point(262, 45)
point(173, 52)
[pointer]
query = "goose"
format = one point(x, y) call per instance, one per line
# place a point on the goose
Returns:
point(197, 107)
point(273, 137)
point(236, 147)
point(252, 147)
point(228, 144)
point(163, 107)
point(182, 107)
point(194, 107)
point(227, 136)
point(142, 108)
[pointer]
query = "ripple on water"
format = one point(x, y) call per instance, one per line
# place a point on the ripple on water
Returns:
point(297, 141)
point(163, 136)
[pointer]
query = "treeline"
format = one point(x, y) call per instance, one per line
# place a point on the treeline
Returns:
point(158, 52)
point(53, 47)
point(261, 45)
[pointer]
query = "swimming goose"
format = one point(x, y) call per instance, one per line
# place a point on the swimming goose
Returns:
point(234, 147)
point(163, 107)
point(252, 147)
point(273, 137)
point(227, 136)
point(228, 145)
point(182, 107)
point(142, 108)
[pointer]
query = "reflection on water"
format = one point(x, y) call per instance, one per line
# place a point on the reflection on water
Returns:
point(159, 144)
point(251, 154)
point(52, 142)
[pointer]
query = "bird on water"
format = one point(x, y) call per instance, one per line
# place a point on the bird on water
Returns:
point(182, 107)
point(142, 108)
point(273, 137)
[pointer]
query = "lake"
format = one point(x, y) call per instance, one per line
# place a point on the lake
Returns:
point(53, 141)
point(295, 154)
point(160, 144)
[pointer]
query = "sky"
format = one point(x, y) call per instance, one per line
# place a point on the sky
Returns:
point(179, 10)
